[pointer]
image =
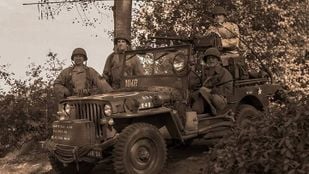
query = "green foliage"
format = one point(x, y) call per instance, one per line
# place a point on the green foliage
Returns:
point(89, 12)
point(27, 108)
point(5, 77)
point(276, 143)
point(276, 31)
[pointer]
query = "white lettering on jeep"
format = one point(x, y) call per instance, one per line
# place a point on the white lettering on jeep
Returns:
point(129, 83)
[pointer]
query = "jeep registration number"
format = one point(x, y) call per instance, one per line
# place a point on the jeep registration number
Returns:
point(129, 83)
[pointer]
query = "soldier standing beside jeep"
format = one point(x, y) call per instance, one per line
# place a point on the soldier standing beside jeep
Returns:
point(216, 87)
point(114, 63)
point(79, 79)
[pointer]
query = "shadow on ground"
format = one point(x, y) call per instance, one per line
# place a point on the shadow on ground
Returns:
point(181, 160)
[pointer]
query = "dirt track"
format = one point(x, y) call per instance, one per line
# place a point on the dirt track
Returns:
point(181, 160)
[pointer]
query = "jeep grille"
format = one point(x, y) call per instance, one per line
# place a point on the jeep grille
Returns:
point(91, 111)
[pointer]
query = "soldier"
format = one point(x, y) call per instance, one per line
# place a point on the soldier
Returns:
point(114, 63)
point(216, 87)
point(79, 79)
point(228, 32)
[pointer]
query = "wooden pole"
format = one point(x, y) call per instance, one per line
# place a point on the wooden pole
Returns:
point(122, 18)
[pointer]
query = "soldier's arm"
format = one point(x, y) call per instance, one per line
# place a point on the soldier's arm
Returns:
point(107, 69)
point(138, 68)
point(103, 86)
point(228, 88)
point(211, 29)
point(59, 85)
point(230, 43)
point(226, 43)
point(99, 81)
point(227, 79)
point(234, 41)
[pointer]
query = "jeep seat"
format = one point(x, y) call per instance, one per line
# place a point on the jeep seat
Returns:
point(236, 65)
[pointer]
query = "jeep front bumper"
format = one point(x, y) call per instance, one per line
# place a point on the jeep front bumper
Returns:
point(67, 153)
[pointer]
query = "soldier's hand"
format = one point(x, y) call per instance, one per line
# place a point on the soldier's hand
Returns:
point(85, 91)
point(214, 91)
point(205, 89)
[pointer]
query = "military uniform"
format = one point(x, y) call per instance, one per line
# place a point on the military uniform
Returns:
point(80, 81)
point(229, 33)
point(112, 70)
point(220, 81)
point(217, 86)
point(114, 66)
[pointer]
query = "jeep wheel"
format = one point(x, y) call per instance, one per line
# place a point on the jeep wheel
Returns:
point(140, 149)
point(59, 168)
point(245, 115)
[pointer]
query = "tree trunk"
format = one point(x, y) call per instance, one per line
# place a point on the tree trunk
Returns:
point(122, 18)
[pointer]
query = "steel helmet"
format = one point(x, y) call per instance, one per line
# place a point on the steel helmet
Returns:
point(123, 38)
point(218, 10)
point(212, 52)
point(79, 51)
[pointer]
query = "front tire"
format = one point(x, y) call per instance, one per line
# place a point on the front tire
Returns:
point(57, 166)
point(140, 149)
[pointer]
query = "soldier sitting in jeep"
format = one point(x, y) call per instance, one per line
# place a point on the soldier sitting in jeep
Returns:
point(216, 87)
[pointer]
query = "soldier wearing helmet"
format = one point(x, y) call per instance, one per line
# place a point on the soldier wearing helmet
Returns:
point(79, 79)
point(114, 62)
point(217, 85)
point(227, 31)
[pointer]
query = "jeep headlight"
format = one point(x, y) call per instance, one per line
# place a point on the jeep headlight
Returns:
point(108, 110)
point(67, 109)
point(64, 112)
point(179, 63)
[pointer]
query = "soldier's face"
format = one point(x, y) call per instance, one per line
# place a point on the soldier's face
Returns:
point(219, 19)
point(212, 61)
point(78, 59)
point(122, 45)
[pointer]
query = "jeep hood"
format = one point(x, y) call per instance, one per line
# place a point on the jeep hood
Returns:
point(131, 101)
point(122, 94)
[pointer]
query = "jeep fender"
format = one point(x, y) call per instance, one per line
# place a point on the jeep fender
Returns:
point(254, 101)
point(158, 117)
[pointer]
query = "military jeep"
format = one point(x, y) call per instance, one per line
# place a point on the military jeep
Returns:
point(127, 125)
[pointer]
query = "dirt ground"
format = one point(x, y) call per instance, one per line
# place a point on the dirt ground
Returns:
point(181, 160)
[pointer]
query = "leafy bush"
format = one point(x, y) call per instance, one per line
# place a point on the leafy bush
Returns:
point(276, 143)
point(27, 108)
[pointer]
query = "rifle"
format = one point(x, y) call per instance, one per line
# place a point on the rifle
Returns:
point(172, 39)
point(201, 43)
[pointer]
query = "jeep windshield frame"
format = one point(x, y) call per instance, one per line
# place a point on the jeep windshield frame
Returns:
point(157, 64)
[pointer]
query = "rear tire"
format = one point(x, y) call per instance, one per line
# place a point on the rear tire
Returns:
point(245, 115)
point(140, 149)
